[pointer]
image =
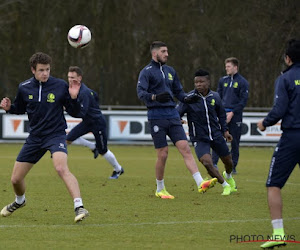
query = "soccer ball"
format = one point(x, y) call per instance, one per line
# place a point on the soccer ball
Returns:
point(79, 36)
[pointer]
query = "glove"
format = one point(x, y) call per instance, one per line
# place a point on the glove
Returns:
point(191, 98)
point(162, 97)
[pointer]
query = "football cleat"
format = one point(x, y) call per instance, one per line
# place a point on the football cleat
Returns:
point(207, 184)
point(80, 214)
point(272, 244)
point(226, 190)
point(231, 182)
point(163, 194)
point(9, 209)
point(115, 174)
point(277, 240)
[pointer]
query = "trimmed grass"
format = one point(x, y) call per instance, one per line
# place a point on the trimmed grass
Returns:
point(125, 214)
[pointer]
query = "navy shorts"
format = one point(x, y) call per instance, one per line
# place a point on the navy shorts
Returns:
point(218, 145)
point(285, 157)
point(166, 127)
point(35, 147)
point(97, 128)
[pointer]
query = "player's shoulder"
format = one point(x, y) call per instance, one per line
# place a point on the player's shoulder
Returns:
point(224, 78)
point(214, 93)
point(27, 83)
point(242, 79)
point(56, 80)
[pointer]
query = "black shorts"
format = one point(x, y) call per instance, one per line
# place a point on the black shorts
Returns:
point(218, 145)
point(166, 127)
point(35, 147)
point(285, 157)
point(97, 128)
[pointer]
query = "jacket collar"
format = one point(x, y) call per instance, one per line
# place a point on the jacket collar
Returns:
point(157, 64)
point(208, 93)
point(297, 64)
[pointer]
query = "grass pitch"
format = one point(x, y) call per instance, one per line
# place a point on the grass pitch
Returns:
point(125, 214)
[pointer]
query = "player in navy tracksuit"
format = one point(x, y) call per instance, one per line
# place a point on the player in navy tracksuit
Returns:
point(208, 128)
point(233, 90)
point(157, 84)
point(92, 121)
point(43, 98)
point(287, 152)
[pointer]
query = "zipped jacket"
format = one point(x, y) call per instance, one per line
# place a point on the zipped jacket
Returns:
point(89, 105)
point(44, 104)
point(156, 78)
point(206, 118)
point(233, 91)
point(287, 100)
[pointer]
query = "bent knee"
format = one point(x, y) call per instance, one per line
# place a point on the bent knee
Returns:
point(62, 170)
point(15, 180)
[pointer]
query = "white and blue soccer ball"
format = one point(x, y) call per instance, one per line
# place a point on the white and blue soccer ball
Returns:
point(79, 36)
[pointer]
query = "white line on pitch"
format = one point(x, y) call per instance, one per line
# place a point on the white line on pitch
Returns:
point(146, 223)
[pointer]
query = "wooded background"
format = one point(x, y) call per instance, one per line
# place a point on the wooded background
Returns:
point(199, 34)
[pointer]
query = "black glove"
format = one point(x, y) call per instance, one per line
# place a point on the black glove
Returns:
point(191, 98)
point(162, 97)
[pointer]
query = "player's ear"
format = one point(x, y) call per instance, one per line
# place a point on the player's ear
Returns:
point(33, 70)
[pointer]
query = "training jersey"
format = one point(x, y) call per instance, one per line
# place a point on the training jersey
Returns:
point(89, 105)
point(233, 91)
point(206, 117)
point(157, 78)
point(44, 104)
point(287, 100)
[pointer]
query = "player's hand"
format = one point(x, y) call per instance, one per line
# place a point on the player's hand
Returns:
point(191, 98)
point(5, 103)
point(162, 97)
point(229, 116)
point(74, 87)
point(183, 121)
point(228, 136)
point(260, 125)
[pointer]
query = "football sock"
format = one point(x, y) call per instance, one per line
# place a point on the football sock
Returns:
point(78, 203)
point(198, 178)
point(277, 224)
point(110, 157)
point(160, 185)
point(224, 184)
point(228, 176)
point(84, 142)
point(20, 199)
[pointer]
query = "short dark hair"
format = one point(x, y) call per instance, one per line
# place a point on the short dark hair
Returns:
point(232, 60)
point(40, 58)
point(293, 50)
point(76, 69)
point(157, 45)
point(202, 72)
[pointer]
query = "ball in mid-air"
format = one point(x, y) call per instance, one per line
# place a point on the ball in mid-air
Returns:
point(79, 36)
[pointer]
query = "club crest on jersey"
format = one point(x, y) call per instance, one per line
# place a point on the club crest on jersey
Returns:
point(225, 84)
point(170, 77)
point(30, 97)
point(51, 97)
point(212, 103)
point(235, 85)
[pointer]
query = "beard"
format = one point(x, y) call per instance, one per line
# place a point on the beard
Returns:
point(161, 60)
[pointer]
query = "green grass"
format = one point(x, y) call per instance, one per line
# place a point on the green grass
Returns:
point(125, 214)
